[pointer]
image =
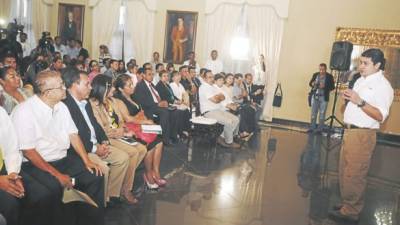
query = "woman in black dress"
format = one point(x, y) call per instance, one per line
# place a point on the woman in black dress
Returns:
point(124, 89)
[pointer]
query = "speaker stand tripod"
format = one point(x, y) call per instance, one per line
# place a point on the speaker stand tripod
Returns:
point(332, 117)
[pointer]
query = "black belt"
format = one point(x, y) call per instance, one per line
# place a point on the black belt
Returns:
point(351, 126)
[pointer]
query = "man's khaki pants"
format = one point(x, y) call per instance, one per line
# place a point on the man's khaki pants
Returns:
point(355, 157)
point(114, 168)
point(136, 155)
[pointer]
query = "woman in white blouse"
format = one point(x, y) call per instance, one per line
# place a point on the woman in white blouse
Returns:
point(178, 89)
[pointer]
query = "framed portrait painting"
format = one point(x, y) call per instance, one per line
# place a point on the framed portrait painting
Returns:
point(180, 35)
point(70, 21)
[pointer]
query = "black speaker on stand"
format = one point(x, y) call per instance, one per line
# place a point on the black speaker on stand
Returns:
point(340, 62)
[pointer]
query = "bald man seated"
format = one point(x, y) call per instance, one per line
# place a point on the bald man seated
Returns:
point(45, 131)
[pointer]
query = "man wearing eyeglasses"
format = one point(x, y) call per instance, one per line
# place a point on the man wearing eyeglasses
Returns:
point(45, 131)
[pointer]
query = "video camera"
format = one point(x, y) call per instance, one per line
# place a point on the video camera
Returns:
point(8, 39)
point(45, 42)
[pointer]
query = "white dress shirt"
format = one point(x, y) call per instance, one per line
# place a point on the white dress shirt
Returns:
point(215, 66)
point(156, 79)
point(152, 91)
point(44, 129)
point(376, 90)
point(82, 107)
point(9, 144)
point(26, 48)
point(207, 91)
point(177, 89)
point(133, 78)
point(228, 99)
point(61, 49)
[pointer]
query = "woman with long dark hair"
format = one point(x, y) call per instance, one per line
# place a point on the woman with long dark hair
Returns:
point(109, 113)
point(124, 89)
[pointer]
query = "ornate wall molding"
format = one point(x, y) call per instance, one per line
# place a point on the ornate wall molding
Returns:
point(369, 37)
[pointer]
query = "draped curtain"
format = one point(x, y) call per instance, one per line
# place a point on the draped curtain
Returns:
point(138, 29)
point(21, 10)
point(264, 30)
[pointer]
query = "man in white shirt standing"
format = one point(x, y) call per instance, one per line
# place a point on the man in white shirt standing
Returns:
point(26, 46)
point(45, 131)
point(59, 47)
point(210, 105)
point(214, 64)
point(368, 106)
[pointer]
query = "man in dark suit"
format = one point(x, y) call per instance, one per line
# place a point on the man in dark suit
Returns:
point(83, 52)
point(112, 161)
point(322, 84)
point(255, 92)
point(154, 107)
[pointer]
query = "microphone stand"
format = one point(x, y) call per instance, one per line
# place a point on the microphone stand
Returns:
point(332, 117)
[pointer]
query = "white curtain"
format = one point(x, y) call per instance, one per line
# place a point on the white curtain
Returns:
point(264, 29)
point(138, 29)
point(22, 11)
point(42, 14)
point(105, 23)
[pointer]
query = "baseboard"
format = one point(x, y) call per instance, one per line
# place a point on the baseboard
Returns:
point(384, 138)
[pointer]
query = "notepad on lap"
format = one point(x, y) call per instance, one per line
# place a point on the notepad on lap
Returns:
point(153, 129)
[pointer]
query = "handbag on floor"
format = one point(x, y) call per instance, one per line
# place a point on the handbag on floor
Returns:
point(278, 96)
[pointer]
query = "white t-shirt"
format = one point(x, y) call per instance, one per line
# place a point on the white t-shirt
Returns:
point(207, 91)
point(215, 66)
point(177, 89)
point(44, 129)
point(9, 144)
point(376, 90)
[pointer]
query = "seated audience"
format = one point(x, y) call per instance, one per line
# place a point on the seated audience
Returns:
point(133, 73)
point(112, 161)
point(45, 131)
point(57, 64)
point(124, 89)
point(112, 71)
point(168, 94)
point(239, 93)
point(210, 105)
point(155, 108)
point(23, 200)
point(112, 114)
point(121, 67)
point(94, 69)
point(170, 67)
point(247, 113)
point(104, 53)
point(191, 61)
point(10, 83)
point(255, 94)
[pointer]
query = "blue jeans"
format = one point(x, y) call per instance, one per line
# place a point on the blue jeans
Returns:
point(318, 104)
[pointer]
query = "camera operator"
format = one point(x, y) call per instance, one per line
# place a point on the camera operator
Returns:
point(10, 45)
point(40, 63)
point(46, 42)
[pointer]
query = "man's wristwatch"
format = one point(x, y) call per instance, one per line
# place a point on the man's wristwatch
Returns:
point(362, 103)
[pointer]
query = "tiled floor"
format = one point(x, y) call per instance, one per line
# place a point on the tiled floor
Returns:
point(292, 181)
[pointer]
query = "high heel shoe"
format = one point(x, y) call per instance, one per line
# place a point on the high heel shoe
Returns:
point(160, 182)
point(148, 185)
